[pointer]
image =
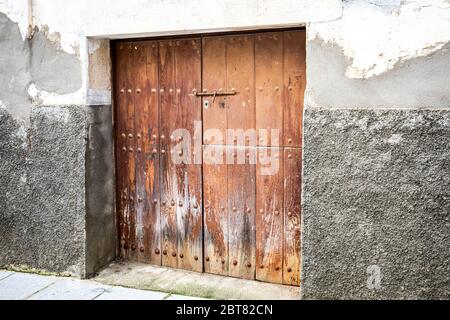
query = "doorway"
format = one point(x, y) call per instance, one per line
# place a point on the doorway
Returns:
point(208, 153)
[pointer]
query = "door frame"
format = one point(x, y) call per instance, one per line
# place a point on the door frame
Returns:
point(200, 35)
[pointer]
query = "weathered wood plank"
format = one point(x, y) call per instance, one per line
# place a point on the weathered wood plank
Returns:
point(241, 77)
point(269, 91)
point(241, 212)
point(169, 184)
point(214, 78)
point(292, 215)
point(131, 210)
point(147, 162)
point(188, 174)
point(294, 86)
point(120, 101)
point(215, 210)
point(269, 217)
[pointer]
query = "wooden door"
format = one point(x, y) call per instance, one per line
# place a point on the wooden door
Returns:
point(211, 182)
point(255, 234)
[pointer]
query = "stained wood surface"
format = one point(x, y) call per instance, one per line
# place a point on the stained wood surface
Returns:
point(294, 86)
point(269, 217)
point(248, 224)
point(292, 216)
point(121, 136)
point(188, 175)
point(215, 210)
point(269, 83)
point(240, 77)
point(241, 212)
point(214, 74)
point(169, 183)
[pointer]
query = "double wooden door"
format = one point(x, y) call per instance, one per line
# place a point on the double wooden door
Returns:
point(208, 152)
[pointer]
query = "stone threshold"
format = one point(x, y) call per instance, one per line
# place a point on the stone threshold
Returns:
point(182, 282)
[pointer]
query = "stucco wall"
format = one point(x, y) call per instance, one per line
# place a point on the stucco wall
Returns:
point(376, 117)
point(376, 204)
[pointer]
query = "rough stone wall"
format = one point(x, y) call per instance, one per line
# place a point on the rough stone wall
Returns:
point(376, 194)
point(42, 200)
point(101, 229)
point(376, 161)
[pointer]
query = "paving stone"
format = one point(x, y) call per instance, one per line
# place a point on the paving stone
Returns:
point(118, 293)
point(179, 297)
point(70, 289)
point(20, 286)
point(4, 274)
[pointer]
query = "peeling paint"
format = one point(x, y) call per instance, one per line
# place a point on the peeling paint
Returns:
point(33, 71)
point(377, 36)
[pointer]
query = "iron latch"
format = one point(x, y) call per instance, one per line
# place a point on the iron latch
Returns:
point(215, 93)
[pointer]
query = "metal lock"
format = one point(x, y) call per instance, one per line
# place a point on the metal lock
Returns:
point(206, 104)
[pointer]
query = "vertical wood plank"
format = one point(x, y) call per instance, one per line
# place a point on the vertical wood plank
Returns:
point(147, 162)
point(140, 125)
point(240, 77)
point(241, 212)
point(188, 175)
point(269, 87)
point(294, 86)
point(292, 215)
point(215, 210)
point(168, 183)
point(120, 100)
point(269, 217)
point(214, 78)
point(131, 210)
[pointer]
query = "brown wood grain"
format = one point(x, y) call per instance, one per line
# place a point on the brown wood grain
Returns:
point(294, 86)
point(147, 162)
point(269, 216)
point(169, 183)
point(121, 137)
point(292, 215)
point(241, 213)
point(214, 77)
point(269, 87)
point(250, 222)
point(188, 175)
point(215, 210)
point(131, 142)
point(241, 78)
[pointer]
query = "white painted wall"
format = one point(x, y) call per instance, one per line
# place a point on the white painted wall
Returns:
point(18, 11)
point(375, 35)
point(378, 34)
point(75, 20)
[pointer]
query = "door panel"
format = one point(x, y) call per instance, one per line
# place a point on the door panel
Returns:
point(120, 77)
point(180, 75)
point(240, 77)
point(241, 211)
point(215, 210)
point(248, 223)
point(269, 217)
point(294, 86)
point(214, 78)
point(131, 142)
point(292, 215)
point(169, 182)
point(147, 163)
point(269, 83)
point(189, 174)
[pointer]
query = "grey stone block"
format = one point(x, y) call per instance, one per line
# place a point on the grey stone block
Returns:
point(70, 289)
point(118, 293)
point(4, 274)
point(376, 201)
point(43, 200)
point(20, 286)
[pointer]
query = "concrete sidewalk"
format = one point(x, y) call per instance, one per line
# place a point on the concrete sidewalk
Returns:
point(27, 286)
